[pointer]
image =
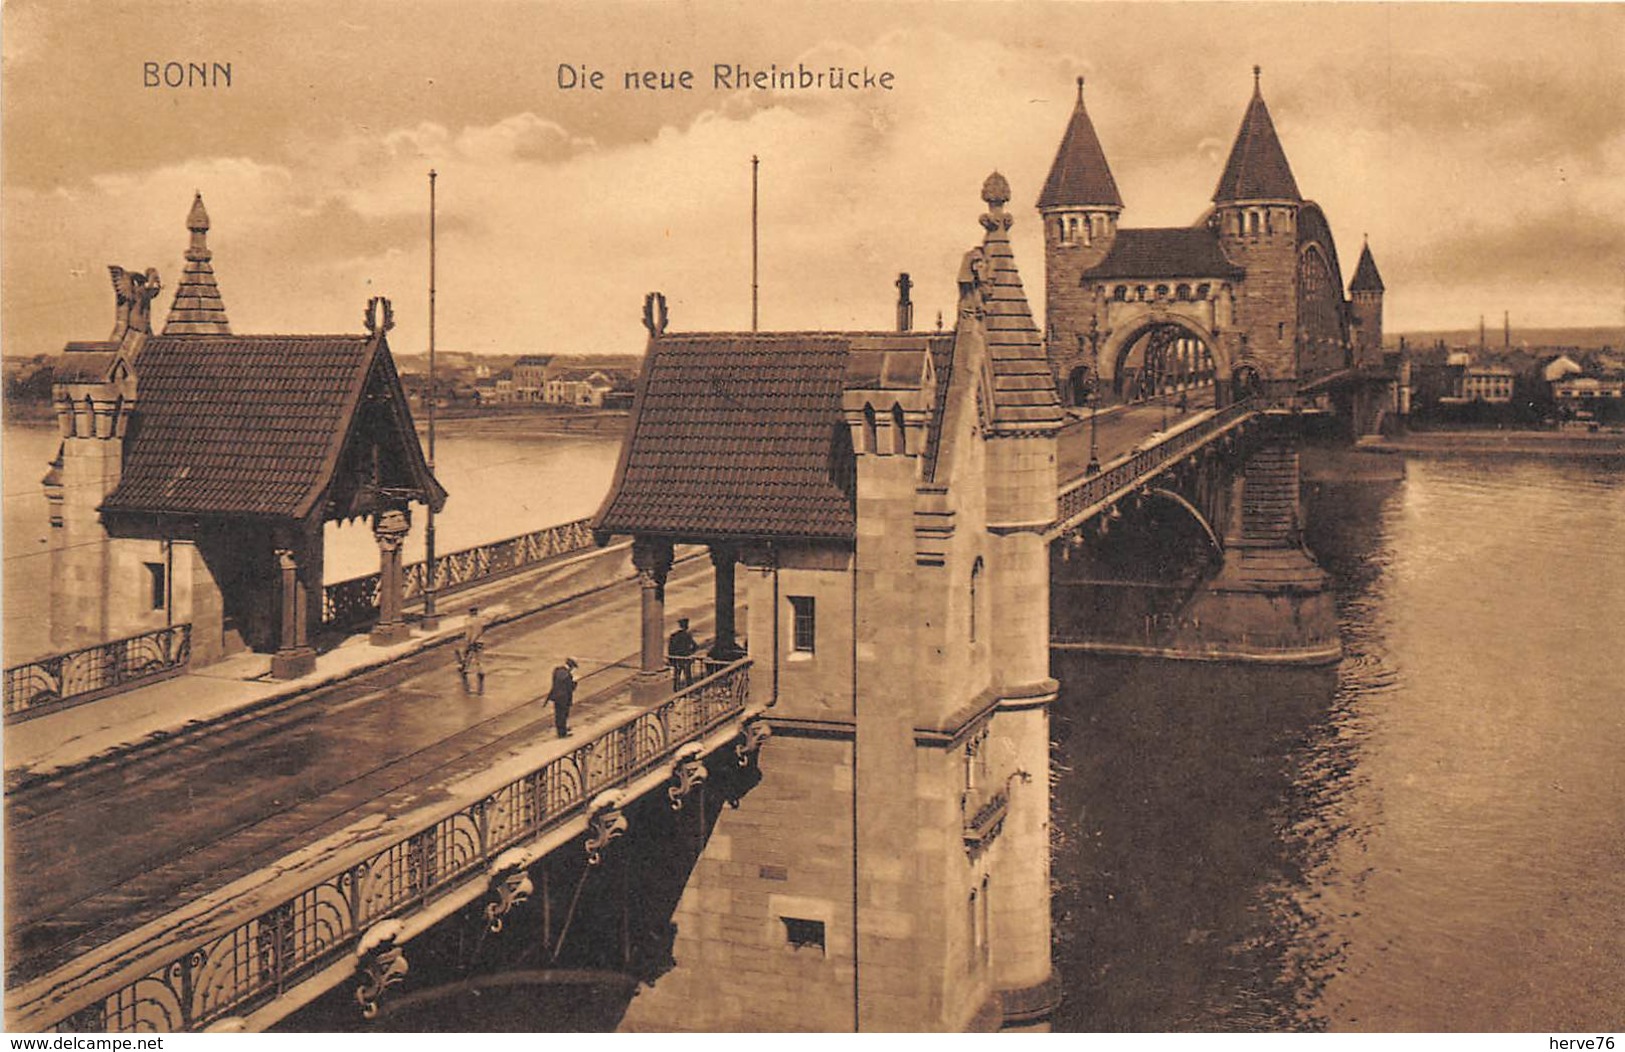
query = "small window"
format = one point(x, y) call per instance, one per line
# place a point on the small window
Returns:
point(156, 584)
point(806, 625)
point(804, 934)
point(899, 429)
point(1280, 330)
point(1120, 293)
point(975, 581)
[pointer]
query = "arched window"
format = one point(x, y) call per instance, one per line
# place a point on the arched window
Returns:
point(1182, 292)
point(1162, 292)
point(1139, 293)
point(1202, 290)
point(975, 595)
point(1252, 222)
point(974, 917)
point(899, 442)
point(90, 417)
point(870, 441)
point(1120, 293)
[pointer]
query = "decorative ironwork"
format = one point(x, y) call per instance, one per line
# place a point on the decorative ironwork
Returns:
point(1133, 469)
point(510, 883)
point(90, 672)
point(688, 771)
point(380, 964)
point(356, 600)
point(608, 823)
point(231, 973)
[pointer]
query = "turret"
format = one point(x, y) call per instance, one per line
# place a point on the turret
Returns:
point(1256, 214)
point(1365, 296)
point(1080, 206)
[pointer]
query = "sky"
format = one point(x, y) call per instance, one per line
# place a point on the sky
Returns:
point(1481, 149)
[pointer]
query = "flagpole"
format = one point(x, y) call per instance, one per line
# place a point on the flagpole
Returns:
point(754, 164)
point(431, 620)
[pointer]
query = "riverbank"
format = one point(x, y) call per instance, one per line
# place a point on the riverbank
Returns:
point(519, 422)
point(1529, 443)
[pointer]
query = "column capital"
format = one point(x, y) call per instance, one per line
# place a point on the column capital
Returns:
point(652, 559)
point(390, 528)
point(287, 559)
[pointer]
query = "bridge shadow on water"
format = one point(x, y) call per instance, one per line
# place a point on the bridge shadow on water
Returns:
point(570, 957)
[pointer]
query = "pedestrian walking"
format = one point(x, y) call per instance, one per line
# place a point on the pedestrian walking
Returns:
point(468, 655)
point(562, 694)
point(680, 651)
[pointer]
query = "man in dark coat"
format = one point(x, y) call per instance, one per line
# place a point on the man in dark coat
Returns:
point(680, 651)
point(562, 694)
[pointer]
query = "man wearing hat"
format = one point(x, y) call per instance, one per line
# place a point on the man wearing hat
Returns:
point(468, 655)
point(562, 694)
point(680, 651)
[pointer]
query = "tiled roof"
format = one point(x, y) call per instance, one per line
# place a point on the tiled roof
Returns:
point(1024, 395)
point(197, 308)
point(1164, 252)
point(1080, 174)
point(741, 435)
point(251, 425)
point(533, 359)
point(1257, 168)
point(1366, 278)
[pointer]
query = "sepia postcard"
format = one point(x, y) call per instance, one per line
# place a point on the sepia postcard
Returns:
point(835, 517)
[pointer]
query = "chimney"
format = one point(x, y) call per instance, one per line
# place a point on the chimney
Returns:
point(905, 307)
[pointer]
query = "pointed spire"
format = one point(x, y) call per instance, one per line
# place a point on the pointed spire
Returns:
point(1024, 397)
point(1366, 278)
point(198, 309)
point(1257, 169)
point(1080, 175)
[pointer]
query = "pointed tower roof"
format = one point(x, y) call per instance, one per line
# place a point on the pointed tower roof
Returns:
point(1257, 168)
point(1024, 396)
point(1080, 175)
point(198, 309)
point(1366, 278)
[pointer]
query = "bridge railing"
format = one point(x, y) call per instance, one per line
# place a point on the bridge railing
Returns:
point(1078, 496)
point(63, 680)
point(356, 600)
point(259, 959)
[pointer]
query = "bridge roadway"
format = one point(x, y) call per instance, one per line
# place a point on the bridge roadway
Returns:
point(1120, 430)
point(97, 854)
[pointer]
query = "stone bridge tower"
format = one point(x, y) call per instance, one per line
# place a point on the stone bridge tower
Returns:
point(1079, 206)
point(1256, 213)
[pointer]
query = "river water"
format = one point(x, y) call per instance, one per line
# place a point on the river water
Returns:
point(1429, 836)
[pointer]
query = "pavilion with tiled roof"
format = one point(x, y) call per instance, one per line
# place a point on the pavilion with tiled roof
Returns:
point(753, 440)
point(244, 446)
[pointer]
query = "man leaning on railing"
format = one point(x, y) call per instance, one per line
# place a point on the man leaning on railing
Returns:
point(680, 651)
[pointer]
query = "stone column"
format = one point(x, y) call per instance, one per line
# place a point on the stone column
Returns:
point(652, 559)
point(294, 657)
point(390, 530)
point(723, 560)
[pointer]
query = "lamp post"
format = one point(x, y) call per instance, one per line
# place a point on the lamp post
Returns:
point(1094, 394)
point(431, 620)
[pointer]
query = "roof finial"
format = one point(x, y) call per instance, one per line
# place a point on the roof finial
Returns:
point(1258, 71)
point(1080, 89)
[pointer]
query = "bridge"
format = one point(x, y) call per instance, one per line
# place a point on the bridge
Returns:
point(238, 871)
point(843, 823)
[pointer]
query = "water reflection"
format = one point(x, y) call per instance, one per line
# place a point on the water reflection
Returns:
point(1428, 837)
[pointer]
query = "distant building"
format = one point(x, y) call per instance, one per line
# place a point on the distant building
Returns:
point(580, 387)
point(1560, 367)
point(530, 375)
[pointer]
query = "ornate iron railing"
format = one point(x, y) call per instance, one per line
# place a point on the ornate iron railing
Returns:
point(1132, 468)
point(356, 600)
point(89, 672)
point(233, 973)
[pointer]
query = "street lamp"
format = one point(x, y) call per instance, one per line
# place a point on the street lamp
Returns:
point(1094, 393)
